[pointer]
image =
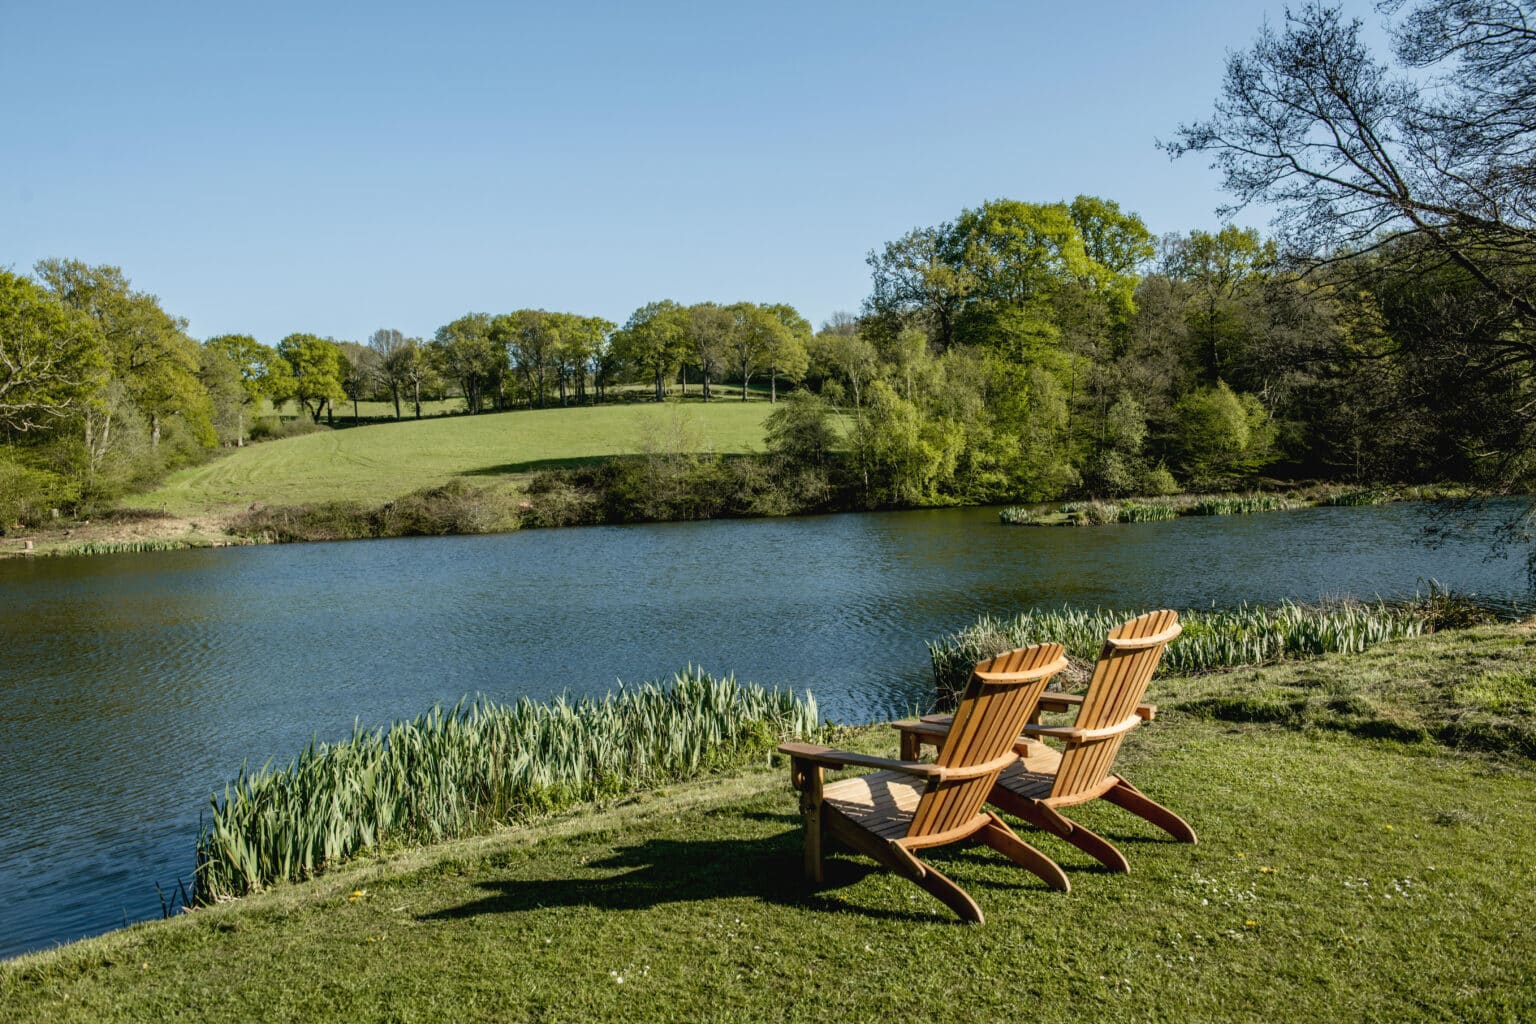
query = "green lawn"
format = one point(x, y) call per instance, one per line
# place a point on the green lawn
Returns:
point(375, 463)
point(1337, 878)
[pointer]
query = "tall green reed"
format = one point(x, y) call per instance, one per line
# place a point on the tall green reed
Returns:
point(1247, 635)
point(460, 771)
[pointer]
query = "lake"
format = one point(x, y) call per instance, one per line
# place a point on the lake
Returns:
point(135, 685)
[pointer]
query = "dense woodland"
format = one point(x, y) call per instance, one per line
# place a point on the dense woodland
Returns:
point(1019, 351)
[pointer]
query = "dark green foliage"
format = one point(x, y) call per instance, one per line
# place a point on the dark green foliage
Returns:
point(454, 508)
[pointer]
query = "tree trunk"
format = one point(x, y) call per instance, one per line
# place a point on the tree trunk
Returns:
point(773, 384)
point(240, 427)
point(395, 390)
point(330, 414)
point(416, 390)
point(154, 430)
point(659, 394)
point(745, 379)
point(354, 410)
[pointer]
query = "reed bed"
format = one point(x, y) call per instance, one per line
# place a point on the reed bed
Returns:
point(1247, 635)
point(126, 547)
point(456, 772)
point(1016, 515)
point(1240, 504)
point(1355, 498)
point(1147, 512)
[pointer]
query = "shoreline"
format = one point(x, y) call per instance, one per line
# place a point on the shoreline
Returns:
point(130, 530)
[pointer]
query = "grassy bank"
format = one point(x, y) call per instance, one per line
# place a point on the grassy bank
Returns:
point(1338, 876)
point(377, 463)
point(1160, 509)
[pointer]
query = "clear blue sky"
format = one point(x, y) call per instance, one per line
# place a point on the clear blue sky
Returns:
point(287, 168)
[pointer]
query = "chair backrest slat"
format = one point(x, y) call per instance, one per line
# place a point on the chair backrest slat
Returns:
point(1119, 681)
point(987, 722)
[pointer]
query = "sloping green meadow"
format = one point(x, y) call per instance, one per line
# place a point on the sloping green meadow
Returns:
point(376, 462)
point(1338, 877)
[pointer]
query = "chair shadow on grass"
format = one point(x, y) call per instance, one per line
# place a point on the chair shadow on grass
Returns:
point(660, 871)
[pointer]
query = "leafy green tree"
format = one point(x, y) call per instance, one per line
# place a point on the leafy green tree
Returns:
point(147, 349)
point(51, 359)
point(393, 357)
point(904, 457)
point(1221, 435)
point(654, 341)
point(360, 371)
point(706, 332)
point(1226, 272)
point(262, 374)
point(844, 353)
point(803, 430)
point(317, 368)
point(466, 353)
point(919, 282)
point(787, 355)
point(756, 334)
point(529, 337)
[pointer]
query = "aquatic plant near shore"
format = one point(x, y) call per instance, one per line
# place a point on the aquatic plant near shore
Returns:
point(1247, 635)
point(1016, 515)
point(1240, 504)
point(457, 772)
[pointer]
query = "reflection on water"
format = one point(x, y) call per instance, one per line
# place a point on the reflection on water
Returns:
point(132, 686)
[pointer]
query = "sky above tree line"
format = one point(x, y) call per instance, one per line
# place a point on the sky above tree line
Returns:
point(338, 168)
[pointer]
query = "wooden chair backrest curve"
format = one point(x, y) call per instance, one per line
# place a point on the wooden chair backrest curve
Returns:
point(1119, 680)
point(998, 700)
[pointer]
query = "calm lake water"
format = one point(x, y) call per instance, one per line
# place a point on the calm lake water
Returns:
point(133, 686)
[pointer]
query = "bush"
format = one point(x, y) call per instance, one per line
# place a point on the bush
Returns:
point(453, 508)
point(28, 494)
point(275, 428)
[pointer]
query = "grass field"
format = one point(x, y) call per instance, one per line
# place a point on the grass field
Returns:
point(1337, 877)
point(377, 462)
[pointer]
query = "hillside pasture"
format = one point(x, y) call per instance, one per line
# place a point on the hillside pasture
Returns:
point(377, 462)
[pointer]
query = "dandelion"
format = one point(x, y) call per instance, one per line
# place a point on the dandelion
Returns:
point(356, 894)
point(1250, 923)
point(1242, 856)
point(1266, 870)
point(1387, 828)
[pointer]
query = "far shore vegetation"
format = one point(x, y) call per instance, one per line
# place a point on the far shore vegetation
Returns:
point(1364, 820)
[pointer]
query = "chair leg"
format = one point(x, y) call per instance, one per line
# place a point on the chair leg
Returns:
point(938, 884)
point(1003, 839)
point(1138, 803)
point(808, 779)
point(1046, 818)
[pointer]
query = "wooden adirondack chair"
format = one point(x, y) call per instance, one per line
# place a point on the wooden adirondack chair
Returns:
point(909, 806)
point(1042, 779)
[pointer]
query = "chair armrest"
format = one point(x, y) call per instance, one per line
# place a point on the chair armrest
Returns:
point(1074, 733)
point(1068, 701)
point(830, 757)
